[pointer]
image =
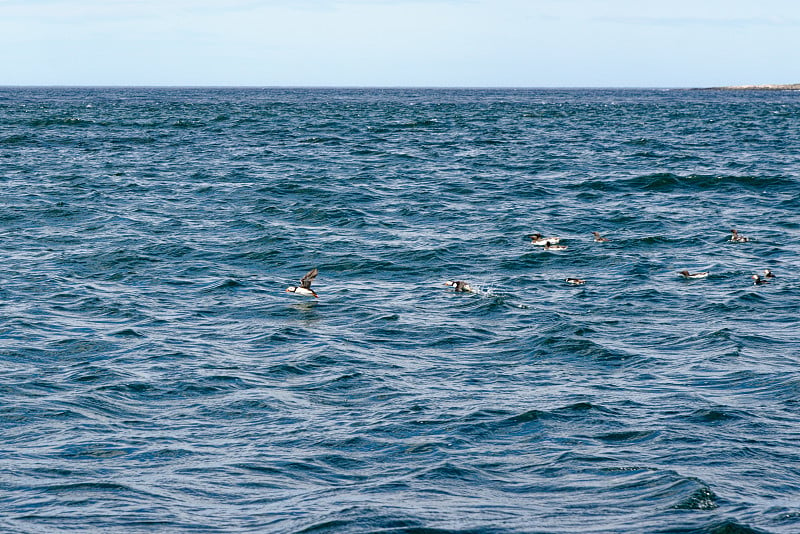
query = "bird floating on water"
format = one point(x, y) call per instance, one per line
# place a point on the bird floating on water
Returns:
point(540, 241)
point(548, 246)
point(598, 238)
point(575, 281)
point(757, 280)
point(694, 276)
point(736, 237)
point(459, 285)
point(305, 285)
point(768, 274)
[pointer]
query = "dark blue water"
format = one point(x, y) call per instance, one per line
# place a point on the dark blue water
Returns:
point(157, 377)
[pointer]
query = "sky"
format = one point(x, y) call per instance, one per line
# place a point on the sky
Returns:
point(407, 43)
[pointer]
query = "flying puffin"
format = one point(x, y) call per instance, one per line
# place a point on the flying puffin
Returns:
point(305, 285)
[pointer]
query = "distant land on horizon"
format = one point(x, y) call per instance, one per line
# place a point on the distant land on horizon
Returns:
point(768, 87)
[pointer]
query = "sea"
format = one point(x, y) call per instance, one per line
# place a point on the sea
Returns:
point(156, 376)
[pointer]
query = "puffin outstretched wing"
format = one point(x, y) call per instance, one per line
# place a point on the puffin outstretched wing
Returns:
point(305, 282)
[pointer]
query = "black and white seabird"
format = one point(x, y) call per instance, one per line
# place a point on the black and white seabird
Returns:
point(736, 237)
point(305, 285)
point(540, 241)
point(459, 285)
point(598, 238)
point(687, 274)
point(575, 281)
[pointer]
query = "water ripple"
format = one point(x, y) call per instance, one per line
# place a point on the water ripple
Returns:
point(157, 376)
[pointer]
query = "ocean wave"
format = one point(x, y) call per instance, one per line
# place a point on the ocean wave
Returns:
point(669, 182)
point(158, 376)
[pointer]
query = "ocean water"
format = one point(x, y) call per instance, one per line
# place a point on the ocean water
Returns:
point(157, 377)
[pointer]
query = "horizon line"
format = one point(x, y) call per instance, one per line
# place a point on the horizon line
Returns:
point(748, 87)
point(232, 86)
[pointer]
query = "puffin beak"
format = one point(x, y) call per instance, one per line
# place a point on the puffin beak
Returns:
point(288, 291)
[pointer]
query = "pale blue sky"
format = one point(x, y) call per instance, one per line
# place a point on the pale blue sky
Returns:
point(510, 43)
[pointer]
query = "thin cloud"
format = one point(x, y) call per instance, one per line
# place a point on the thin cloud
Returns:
point(737, 22)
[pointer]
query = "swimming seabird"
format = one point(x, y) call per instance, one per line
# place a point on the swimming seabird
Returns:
point(598, 238)
point(768, 274)
point(540, 241)
point(737, 237)
point(757, 280)
point(575, 281)
point(305, 285)
point(687, 274)
point(548, 246)
point(459, 285)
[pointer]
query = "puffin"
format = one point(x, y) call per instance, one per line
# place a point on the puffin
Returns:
point(600, 239)
point(304, 288)
point(768, 274)
point(694, 276)
point(459, 285)
point(736, 237)
point(575, 281)
point(757, 280)
point(540, 241)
